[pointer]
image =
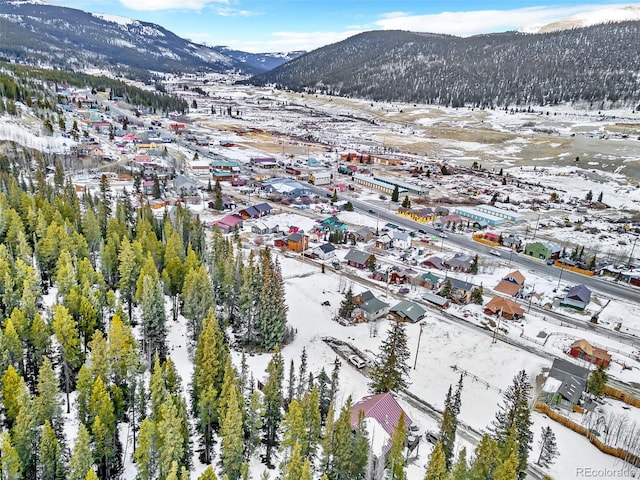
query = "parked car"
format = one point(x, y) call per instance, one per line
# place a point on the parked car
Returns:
point(443, 235)
point(495, 252)
point(432, 437)
point(371, 210)
point(357, 362)
point(551, 261)
point(422, 231)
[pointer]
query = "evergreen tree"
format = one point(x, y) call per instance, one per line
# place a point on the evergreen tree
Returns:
point(396, 457)
point(294, 431)
point(600, 197)
point(81, 458)
point(589, 196)
point(334, 197)
point(476, 295)
point(548, 447)
point(208, 377)
point(10, 465)
point(128, 271)
point(449, 423)
point(272, 391)
point(437, 468)
point(446, 289)
point(291, 385)
point(474, 265)
point(218, 203)
point(66, 332)
point(395, 195)
point(597, 381)
point(146, 455)
point(153, 319)
point(507, 469)
point(208, 474)
point(391, 369)
point(313, 423)
point(460, 468)
point(302, 374)
point(372, 263)
point(515, 410)
point(50, 459)
point(324, 394)
point(198, 298)
point(485, 461)
point(253, 423)
point(348, 305)
point(406, 203)
point(45, 404)
point(272, 311)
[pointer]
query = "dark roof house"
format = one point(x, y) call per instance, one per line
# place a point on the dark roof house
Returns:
point(357, 258)
point(565, 383)
point(578, 297)
point(408, 311)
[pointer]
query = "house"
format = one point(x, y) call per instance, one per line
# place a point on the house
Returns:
point(297, 242)
point(408, 311)
point(401, 240)
point(185, 186)
point(147, 187)
point(437, 300)
point(434, 262)
point(447, 221)
point(511, 284)
point(363, 297)
point(287, 187)
point(460, 290)
point(381, 414)
point(565, 383)
point(506, 308)
point(374, 309)
point(460, 262)
point(334, 224)
point(441, 211)
point(384, 241)
point(543, 250)
point(325, 252)
point(357, 258)
point(578, 298)
point(417, 214)
point(262, 227)
point(585, 351)
point(255, 211)
point(400, 277)
point(320, 178)
point(429, 280)
point(363, 234)
point(232, 221)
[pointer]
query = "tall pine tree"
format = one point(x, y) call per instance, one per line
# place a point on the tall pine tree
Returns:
point(391, 369)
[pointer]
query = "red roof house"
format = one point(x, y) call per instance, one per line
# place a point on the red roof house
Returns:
point(384, 408)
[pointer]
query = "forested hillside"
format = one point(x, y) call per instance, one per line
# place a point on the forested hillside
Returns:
point(594, 65)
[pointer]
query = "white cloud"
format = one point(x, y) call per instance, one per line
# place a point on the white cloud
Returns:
point(287, 41)
point(481, 21)
point(150, 5)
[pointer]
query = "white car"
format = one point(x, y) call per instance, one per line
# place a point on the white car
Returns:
point(357, 362)
point(495, 252)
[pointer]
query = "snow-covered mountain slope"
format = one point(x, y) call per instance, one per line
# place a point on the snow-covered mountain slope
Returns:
point(55, 36)
point(605, 15)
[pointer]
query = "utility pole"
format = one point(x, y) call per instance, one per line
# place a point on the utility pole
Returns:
point(536, 230)
point(531, 297)
point(415, 361)
point(560, 277)
point(632, 248)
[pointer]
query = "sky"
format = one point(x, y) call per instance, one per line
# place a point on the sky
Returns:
point(286, 25)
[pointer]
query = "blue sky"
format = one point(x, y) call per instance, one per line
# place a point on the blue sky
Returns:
point(282, 25)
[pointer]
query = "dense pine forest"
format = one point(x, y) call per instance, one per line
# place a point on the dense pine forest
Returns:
point(586, 65)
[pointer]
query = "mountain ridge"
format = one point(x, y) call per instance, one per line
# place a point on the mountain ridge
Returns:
point(591, 64)
point(44, 34)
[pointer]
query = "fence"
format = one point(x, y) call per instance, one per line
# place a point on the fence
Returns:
point(623, 397)
point(613, 451)
point(581, 271)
